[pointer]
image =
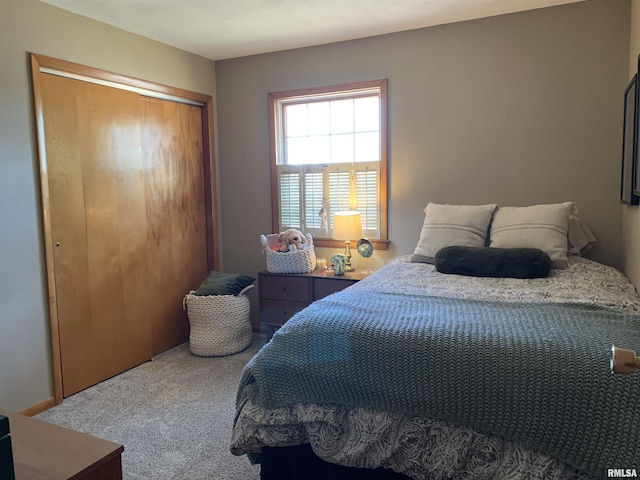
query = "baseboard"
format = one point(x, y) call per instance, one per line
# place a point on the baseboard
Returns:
point(39, 407)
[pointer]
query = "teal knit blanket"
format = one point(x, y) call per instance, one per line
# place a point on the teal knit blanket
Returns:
point(537, 374)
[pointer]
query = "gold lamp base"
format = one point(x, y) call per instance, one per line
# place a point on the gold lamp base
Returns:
point(347, 253)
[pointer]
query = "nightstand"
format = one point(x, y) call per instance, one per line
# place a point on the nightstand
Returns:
point(284, 294)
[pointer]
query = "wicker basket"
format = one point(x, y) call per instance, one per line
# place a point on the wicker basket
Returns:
point(220, 324)
point(300, 261)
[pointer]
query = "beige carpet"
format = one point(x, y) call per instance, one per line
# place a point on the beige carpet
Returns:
point(173, 415)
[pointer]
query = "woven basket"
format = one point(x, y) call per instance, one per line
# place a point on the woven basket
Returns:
point(220, 324)
point(300, 261)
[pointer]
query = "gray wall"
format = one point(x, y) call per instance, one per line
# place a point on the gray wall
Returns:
point(30, 26)
point(517, 110)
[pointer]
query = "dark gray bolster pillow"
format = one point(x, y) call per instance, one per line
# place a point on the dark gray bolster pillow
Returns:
point(493, 262)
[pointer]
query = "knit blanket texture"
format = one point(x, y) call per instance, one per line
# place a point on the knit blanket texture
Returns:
point(535, 373)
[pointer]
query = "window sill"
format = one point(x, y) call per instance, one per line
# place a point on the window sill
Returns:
point(331, 243)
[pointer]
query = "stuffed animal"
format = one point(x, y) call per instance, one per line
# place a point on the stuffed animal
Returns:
point(291, 240)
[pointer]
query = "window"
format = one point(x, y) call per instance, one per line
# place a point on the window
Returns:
point(329, 153)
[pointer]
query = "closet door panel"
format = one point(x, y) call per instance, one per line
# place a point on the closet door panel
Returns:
point(69, 230)
point(98, 224)
point(175, 202)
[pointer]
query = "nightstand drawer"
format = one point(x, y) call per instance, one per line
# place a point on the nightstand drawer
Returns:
point(277, 312)
point(323, 287)
point(282, 295)
point(293, 289)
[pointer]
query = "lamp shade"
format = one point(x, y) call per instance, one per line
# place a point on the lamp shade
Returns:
point(347, 225)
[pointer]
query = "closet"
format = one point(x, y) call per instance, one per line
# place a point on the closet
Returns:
point(128, 216)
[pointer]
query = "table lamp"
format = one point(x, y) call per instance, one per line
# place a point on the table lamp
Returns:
point(347, 226)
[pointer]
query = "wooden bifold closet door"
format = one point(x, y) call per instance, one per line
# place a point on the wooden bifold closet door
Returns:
point(128, 223)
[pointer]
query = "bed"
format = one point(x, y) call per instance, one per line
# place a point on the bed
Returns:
point(413, 373)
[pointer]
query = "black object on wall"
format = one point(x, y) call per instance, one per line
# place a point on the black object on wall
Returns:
point(629, 184)
point(636, 136)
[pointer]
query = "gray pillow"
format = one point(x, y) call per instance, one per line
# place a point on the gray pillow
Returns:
point(493, 262)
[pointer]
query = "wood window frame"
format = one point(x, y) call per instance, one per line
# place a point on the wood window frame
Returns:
point(381, 243)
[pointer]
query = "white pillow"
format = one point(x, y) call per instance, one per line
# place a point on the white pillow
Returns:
point(448, 225)
point(538, 226)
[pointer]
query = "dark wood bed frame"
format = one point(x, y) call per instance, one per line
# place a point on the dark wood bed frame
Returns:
point(301, 463)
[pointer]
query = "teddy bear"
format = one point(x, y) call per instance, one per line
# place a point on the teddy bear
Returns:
point(291, 240)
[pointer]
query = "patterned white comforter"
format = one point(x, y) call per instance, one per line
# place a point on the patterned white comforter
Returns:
point(419, 447)
point(583, 281)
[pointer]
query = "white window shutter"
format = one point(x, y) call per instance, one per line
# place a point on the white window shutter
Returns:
point(313, 197)
point(290, 186)
point(339, 190)
point(368, 198)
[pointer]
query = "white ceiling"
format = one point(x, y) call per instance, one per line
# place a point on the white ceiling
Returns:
point(219, 29)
